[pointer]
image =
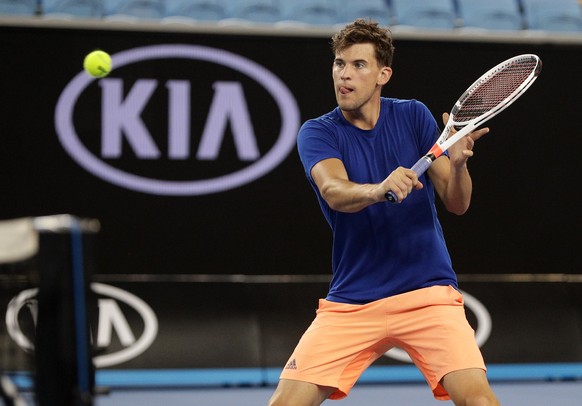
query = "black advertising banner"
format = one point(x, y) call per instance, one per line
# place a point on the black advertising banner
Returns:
point(237, 325)
point(186, 155)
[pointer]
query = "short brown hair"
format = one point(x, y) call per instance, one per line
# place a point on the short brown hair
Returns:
point(365, 31)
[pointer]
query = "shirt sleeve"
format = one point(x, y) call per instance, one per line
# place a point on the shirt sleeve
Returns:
point(428, 128)
point(315, 143)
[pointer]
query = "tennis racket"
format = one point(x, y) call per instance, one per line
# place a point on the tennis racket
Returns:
point(492, 93)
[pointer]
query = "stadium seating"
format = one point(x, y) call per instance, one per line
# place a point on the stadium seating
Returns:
point(195, 10)
point(315, 12)
point(507, 15)
point(379, 10)
point(553, 15)
point(434, 14)
point(18, 7)
point(135, 10)
point(71, 9)
point(490, 14)
point(261, 11)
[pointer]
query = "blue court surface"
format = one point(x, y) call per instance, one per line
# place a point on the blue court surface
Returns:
point(515, 394)
point(515, 385)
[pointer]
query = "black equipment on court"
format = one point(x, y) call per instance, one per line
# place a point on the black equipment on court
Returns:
point(60, 250)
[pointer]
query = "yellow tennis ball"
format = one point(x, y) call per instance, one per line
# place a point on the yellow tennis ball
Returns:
point(97, 64)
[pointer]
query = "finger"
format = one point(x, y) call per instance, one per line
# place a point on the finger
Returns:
point(396, 192)
point(401, 190)
point(404, 187)
point(445, 118)
point(475, 135)
point(410, 174)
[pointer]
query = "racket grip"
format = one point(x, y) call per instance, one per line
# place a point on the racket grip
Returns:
point(422, 165)
point(419, 167)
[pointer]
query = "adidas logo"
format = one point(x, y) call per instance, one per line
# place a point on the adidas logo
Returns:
point(291, 364)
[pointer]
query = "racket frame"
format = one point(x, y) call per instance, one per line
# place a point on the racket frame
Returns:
point(445, 140)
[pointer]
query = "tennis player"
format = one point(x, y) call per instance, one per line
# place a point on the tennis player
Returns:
point(393, 284)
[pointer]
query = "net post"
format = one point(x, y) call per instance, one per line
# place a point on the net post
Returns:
point(64, 370)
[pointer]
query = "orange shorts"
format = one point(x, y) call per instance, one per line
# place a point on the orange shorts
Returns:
point(344, 339)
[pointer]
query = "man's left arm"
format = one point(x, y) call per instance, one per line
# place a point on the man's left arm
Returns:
point(451, 177)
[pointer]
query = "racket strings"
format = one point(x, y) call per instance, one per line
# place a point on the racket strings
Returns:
point(493, 90)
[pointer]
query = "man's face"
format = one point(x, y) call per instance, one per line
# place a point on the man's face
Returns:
point(357, 76)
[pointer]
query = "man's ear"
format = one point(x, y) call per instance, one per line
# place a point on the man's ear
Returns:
point(385, 75)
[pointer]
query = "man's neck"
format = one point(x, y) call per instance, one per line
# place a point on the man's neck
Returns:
point(364, 118)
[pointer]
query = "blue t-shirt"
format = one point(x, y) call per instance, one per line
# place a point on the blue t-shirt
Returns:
point(385, 249)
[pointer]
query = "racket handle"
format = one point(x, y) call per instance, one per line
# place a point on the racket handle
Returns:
point(422, 165)
point(419, 167)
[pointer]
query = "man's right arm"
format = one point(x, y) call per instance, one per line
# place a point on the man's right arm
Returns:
point(343, 195)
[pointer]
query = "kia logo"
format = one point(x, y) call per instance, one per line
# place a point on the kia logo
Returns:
point(112, 320)
point(125, 103)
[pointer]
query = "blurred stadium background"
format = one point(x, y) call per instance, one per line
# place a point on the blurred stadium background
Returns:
point(203, 249)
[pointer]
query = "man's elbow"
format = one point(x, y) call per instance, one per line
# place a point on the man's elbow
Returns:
point(458, 209)
point(328, 192)
point(333, 202)
point(336, 203)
